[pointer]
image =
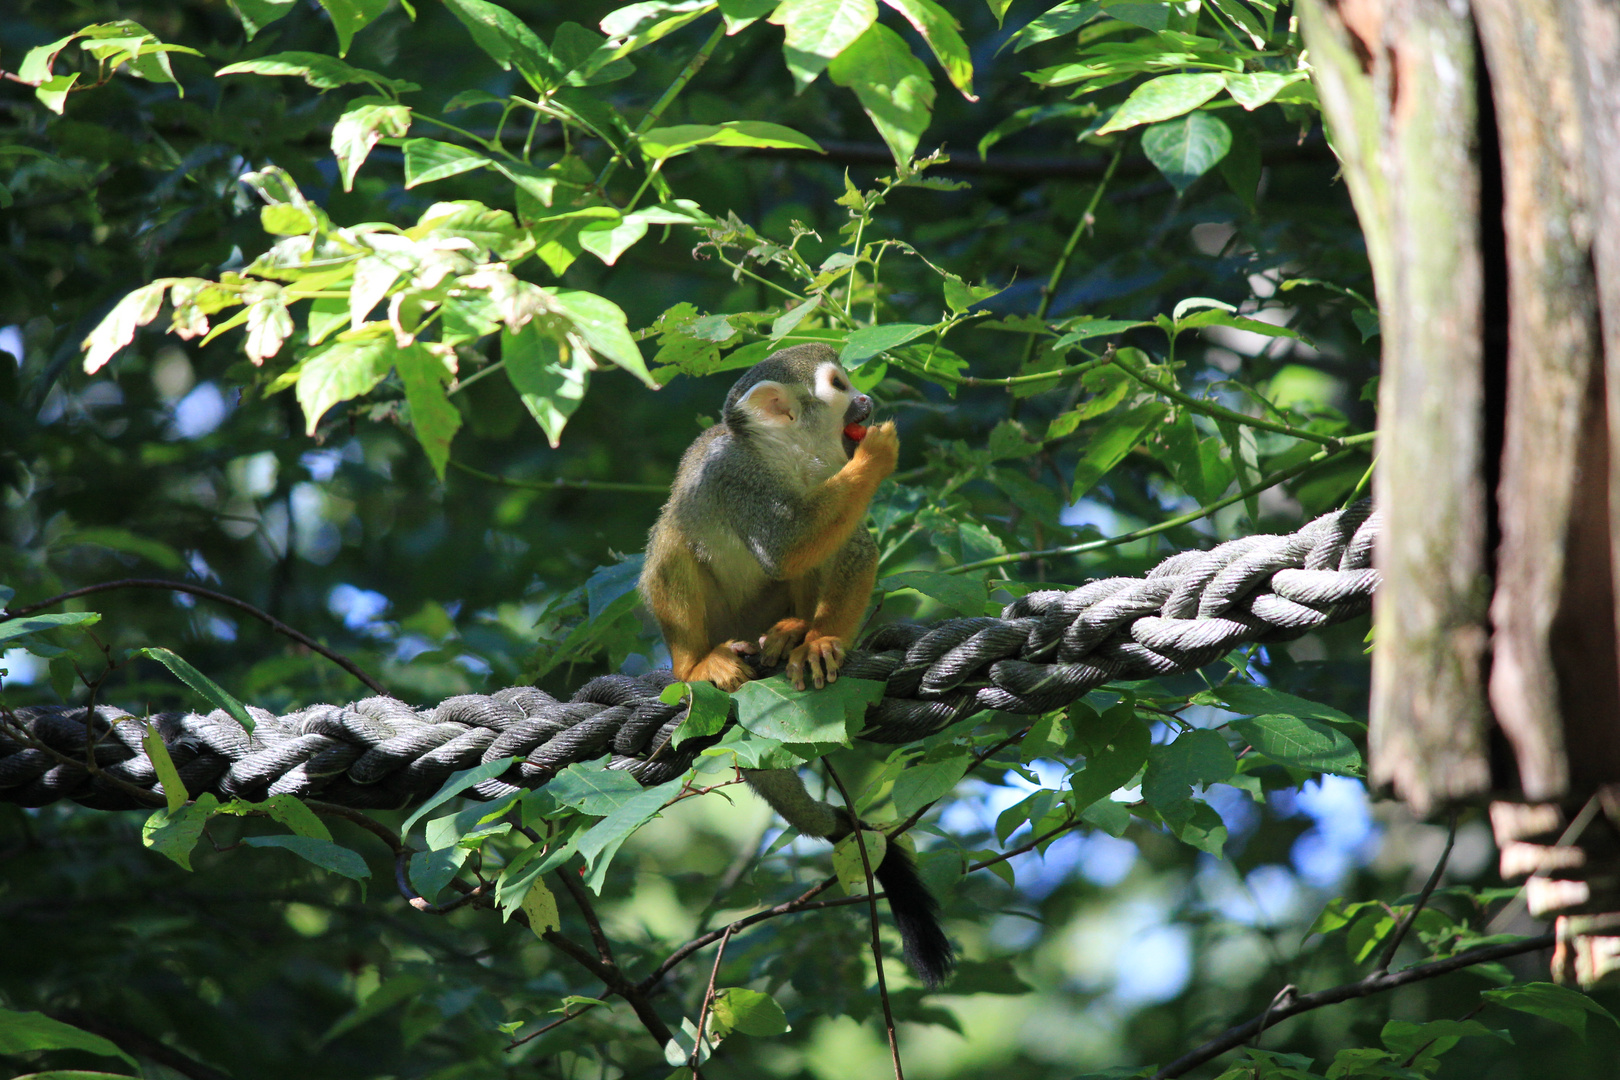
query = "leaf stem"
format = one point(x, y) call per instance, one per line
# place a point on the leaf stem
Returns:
point(1221, 412)
point(1062, 265)
point(693, 66)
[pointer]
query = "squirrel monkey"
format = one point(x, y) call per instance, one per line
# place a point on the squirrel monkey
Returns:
point(762, 550)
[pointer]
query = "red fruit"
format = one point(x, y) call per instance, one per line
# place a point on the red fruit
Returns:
point(855, 431)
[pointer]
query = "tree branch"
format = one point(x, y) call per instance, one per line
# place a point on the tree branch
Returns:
point(208, 594)
point(1376, 983)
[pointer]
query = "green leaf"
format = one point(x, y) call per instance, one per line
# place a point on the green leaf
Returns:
point(433, 419)
point(608, 239)
point(255, 15)
point(399, 989)
point(943, 33)
point(1198, 757)
point(1185, 149)
point(342, 370)
point(1116, 438)
point(1431, 1039)
point(1066, 18)
point(603, 325)
point(455, 785)
point(427, 160)
point(747, 1011)
point(818, 30)
point(1116, 747)
point(540, 905)
point(1164, 98)
point(174, 789)
point(323, 853)
point(867, 343)
point(349, 17)
point(1255, 700)
point(549, 388)
point(959, 295)
point(601, 841)
point(208, 688)
point(849, 865)
point(1302, 743)
point(667, 142)
point(892, 85)
point(317, 69)
point(175, 834)
point(289, 810)
point(773, 709)
point(28, 1032)
point(1255, 89)
point(365, 122)
point(708, 714)
point(959, 592)
point(508, 41)
point(922, 784)
point(1560, 1004)
point(118, 328)
point(593, 788)
point(38, 624)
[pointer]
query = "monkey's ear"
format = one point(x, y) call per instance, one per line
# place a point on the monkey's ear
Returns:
point(770, 403)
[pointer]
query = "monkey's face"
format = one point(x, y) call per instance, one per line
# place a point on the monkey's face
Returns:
point(799, 402)
point(845, 405)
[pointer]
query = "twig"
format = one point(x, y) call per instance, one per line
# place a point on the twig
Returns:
point(559, 1022)
point(708, 1000)
point(1375, 983)
point(560, 483)
point(1399, 935)
point(208, 594)
point(877, 942)
point(1346, 445)
point(1221, 412)
point(1062, 265)
point(582, 900)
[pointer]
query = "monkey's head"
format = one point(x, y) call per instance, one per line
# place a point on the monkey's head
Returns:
point(799, 395)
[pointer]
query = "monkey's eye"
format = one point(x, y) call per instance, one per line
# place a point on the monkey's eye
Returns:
point(839, 384)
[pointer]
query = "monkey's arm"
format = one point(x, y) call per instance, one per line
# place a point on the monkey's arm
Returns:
point(916, 913)
point(830, 512)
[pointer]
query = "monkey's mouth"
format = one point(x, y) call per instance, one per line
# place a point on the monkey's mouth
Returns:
point(854, 417)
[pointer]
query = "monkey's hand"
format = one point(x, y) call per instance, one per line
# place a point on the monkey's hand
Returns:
point(879, 452)
point(723, 667)
point(780, 639)
point(822, 654)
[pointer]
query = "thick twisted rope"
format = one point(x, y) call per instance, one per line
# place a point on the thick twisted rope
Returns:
point(1044, 651)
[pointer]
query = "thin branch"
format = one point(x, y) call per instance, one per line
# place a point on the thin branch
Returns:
point(1221, 412)
point(559, 1022)
point(708, 1000)
point(1375, 983)
point(1399, 935)
point(787, 907)
point(1087, 217)
point(877, 942)
point(582, 900)
point(1346, 445)
point(693, 66)
point(560, 483)
point(208, 594)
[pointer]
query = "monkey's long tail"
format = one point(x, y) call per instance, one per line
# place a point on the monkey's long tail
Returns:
point(916, 916)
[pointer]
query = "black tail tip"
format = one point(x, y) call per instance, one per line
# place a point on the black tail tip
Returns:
point(916, 915)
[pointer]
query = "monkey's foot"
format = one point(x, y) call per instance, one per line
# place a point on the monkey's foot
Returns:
point(722, 666)
point(781, 639)
point(822, 654)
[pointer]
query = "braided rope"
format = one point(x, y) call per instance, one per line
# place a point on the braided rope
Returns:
point(1044, 651)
